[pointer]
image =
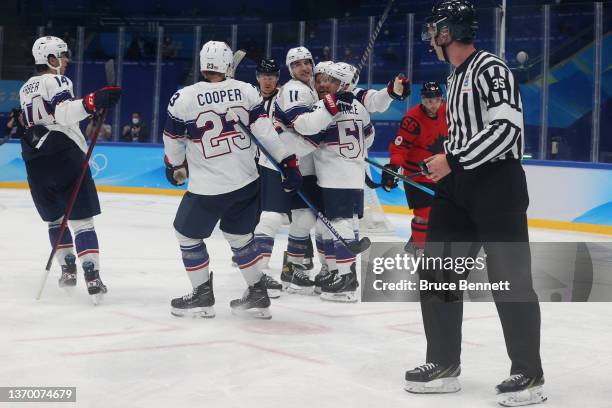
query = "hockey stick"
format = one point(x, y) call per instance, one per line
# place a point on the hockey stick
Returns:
point(110, 79)
point(237, 58)
point(355, 247)
point(406, 179)
point(373, 185)
point(368, 50)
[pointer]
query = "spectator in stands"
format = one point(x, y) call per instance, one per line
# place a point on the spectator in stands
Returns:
point(348, 55)
point(136, 48)
point(15, 126)
point(137, 131)
point(326, 56)
point(105, 133)
point(169, 48)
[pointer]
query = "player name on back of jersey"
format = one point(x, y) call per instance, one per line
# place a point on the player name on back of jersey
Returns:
point(219, 96)
point(30, 88)
point(347, 109)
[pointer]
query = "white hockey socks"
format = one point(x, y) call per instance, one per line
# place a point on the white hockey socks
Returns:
point(328, 246)
point(246, 256)
point(265, 232)
point(86, 241)
point(66, 246)
point(195, 259)
point(344, 258)
point(302, 221)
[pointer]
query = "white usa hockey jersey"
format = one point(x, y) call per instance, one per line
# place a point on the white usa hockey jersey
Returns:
point(373, 100)
point(48, 100)
point(220, 158)
point(341, 148)
point(294, 116)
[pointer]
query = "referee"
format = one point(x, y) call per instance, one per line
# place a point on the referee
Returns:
point(481, 201)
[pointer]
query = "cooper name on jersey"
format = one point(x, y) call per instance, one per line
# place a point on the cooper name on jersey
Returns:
point(219, 96)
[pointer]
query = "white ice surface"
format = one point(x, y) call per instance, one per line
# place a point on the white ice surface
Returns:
point(130, 352)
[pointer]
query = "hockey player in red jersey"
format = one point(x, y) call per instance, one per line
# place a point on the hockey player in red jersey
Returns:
point(421, 135)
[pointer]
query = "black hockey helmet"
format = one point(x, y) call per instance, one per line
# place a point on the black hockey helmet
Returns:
point(431, 90)
point(459, 16)
point(268, 66)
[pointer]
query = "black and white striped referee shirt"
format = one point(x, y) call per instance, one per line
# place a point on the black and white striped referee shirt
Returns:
point(484, 112)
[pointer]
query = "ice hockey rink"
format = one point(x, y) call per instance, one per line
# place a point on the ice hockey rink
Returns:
point(130, 352)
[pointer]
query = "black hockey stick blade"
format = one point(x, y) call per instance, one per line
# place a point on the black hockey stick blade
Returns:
point(360, 246)
point(371, 183)
point(405, 179)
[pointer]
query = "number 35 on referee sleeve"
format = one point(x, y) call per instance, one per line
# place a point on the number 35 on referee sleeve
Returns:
point(498, 87)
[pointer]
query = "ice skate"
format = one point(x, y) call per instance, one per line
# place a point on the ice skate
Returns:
point(198, 303)
point(341, 288)
point(255, 302)
point(295, 279)
point(69, 274)
point(519, 390)
point(273, 286)
point(433, 379)
point(323, 278)
point(412, 250)
point(95, 287)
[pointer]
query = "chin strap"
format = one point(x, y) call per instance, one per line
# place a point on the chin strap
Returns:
point(56, 69)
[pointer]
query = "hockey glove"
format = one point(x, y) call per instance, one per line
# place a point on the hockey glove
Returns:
point(388, 181)
point(291, 176)
point(176, 175)
point(338, 102)
point(399, 88)
point(106, 97)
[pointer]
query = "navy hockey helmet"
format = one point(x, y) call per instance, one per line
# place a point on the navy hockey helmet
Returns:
point(459, 16)
point(268, 66)
point(431, 90)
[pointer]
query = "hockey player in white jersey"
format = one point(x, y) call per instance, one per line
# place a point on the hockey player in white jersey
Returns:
point(293, 104)
point(292, 113)
point(54, 150)
point(339, 153)
point(202, 144)
point(373, 101)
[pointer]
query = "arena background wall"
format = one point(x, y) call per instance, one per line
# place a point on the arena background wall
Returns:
point(564, 195)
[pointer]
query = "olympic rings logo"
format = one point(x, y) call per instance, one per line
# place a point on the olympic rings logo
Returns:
point(98, 163)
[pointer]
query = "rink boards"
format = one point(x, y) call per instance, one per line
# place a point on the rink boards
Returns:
point(563, 195)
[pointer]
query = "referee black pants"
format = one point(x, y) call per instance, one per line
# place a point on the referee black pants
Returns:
point(485, 207)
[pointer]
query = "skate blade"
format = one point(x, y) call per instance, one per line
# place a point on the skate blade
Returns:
point(69, 290)
point(530, 396)
point(196, 312)
point(301, 290)
point(343, 297)
point(253, 313)
point(439, 386)
point(97, 298)
point(274, 293)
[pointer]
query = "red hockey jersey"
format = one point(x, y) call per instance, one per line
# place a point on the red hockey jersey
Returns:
point(418, 137)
